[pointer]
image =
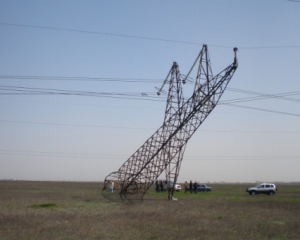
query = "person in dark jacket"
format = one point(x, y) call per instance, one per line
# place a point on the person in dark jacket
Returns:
point(156, 186)
point(195, 187)
point(191, 186)
point(161, 185)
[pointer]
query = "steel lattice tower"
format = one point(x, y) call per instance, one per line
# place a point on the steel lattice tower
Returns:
point(165, 148)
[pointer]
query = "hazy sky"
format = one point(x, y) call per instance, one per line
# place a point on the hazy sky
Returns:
point(73, 73)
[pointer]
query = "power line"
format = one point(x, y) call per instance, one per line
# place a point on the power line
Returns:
point(138, 37)
point(117, 156)
point(261, 96)
point(134, 80)
point(16, 90)
point(263, 110)
point(137, 96)
point(133, 128)
point(61, 78)
point(28, 91)
point(63, 91)
point(73, 125)
point(100, 33)
point(151, 96)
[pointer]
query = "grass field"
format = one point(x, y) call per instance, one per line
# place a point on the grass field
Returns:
point(77, 210)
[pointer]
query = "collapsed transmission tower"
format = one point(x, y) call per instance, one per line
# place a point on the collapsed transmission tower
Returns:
point(164, 150)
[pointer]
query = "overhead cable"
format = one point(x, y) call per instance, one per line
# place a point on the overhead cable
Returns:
point(138, 37)
point(122, 156)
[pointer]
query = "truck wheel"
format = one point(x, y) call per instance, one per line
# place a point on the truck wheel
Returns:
point(271, 193)
point(253, 193)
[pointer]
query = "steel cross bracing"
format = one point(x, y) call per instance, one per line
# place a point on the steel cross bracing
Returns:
point(174, 101)
point(204, 74)
point(164, 149)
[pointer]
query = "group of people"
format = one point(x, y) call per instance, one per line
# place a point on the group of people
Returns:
point(190, 187)
point(161, 186)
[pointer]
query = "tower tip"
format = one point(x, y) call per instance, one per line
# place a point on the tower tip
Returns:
point(235, 63)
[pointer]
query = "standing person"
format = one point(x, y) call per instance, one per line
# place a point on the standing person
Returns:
point(165, 185)
point(161, 186)
point(156, 186)
point(112, 184)
point(186, 187)
point(191, 186)
point(195, 187)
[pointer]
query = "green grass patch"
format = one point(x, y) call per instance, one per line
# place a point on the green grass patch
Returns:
point(67, 210)
point(44, 205)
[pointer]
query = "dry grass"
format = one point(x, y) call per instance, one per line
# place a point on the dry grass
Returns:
point(75, 210)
